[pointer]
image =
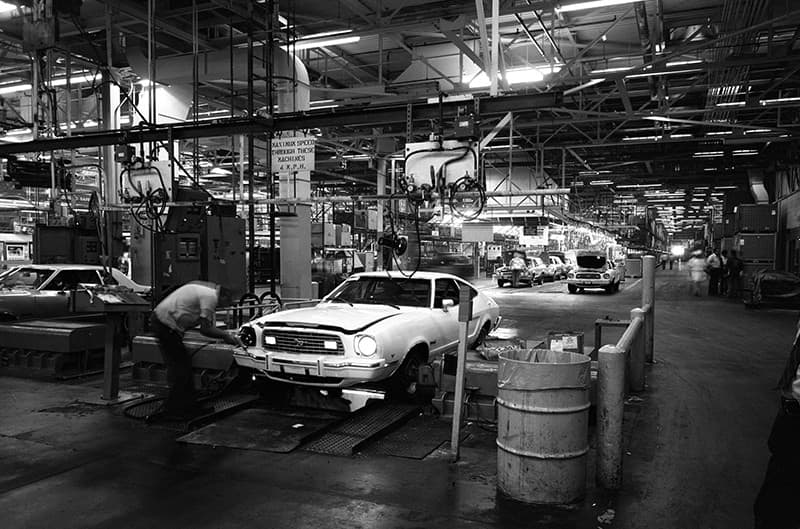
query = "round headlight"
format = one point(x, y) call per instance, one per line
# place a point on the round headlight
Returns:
point(366, 345)
point(606, 276)
point(571, 275)
point(248, 336)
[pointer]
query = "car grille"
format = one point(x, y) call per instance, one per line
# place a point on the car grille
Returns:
point(591, 275)
point(302, 342)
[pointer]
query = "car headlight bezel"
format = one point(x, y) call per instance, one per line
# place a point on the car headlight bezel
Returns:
point(571, 275)
point(365, 345)
point(606, 276)
point(248, 336)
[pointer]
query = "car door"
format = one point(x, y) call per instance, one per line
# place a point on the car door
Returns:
point(445, 321)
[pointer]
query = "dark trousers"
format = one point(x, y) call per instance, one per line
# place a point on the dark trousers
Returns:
point(713, 281)
point(181, 396)
point(776, 504)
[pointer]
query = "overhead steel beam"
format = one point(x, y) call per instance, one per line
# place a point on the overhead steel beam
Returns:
point(414, 55)
point(531, 37)
point(373, 116)
point(496, 130)
point(156, 133)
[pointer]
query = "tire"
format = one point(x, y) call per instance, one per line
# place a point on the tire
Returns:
point(482, 334)
point(500, 283)
point(572, 289)
point(609, 289)
point(404, 380)
point(616, 286)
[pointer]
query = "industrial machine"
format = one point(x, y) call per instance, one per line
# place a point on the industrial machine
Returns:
point(200, 241)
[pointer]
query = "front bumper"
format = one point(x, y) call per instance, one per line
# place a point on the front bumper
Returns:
point(315, 370)
point(590, 283)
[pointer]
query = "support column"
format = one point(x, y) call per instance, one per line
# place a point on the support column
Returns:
point(382, 169)
point(109, 184)
point(610, 402)
point(649, 299)
point(296, 237)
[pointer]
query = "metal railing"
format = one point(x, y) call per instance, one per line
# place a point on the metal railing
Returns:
point(621, 367)
point(237, 315)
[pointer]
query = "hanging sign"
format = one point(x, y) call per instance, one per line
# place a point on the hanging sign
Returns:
point(293, 153)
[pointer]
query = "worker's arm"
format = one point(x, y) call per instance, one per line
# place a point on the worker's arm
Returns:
point(208, 329)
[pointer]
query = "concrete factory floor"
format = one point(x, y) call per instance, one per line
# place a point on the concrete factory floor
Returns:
point(695, 443)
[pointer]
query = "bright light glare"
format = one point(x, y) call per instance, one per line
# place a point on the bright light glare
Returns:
point(591, 5)
point(515, 76)
point(5, 7)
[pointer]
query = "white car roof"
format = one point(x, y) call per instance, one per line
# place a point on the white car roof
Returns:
point(407, 274)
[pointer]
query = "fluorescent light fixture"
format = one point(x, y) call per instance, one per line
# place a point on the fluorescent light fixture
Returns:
point(614, 69)
point(745, 153)
point(678, 136)
point(708, 154)
point(720, 133)
point(726, 187)
point(683, 63)
point(757, 131)
point(710, 169)
point(5, 7)
point(632, 186)
point(318, 107)
point(593, 4)
point(14, 88)
point(779, 100)
point(448, 98)
point(600, 182)
point(662, 72)
point(641, 138)
point(322, 101)
point(320, 40)
point(732, 104)
point(220, 171)
point(76, 79)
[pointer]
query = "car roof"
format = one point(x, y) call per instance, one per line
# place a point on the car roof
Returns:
point(407, 274)
point(61, 266)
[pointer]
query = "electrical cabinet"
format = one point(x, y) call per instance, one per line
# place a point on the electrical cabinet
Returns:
point(756, 218)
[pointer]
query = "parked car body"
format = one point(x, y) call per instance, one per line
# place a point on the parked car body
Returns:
point(593, 271)
point(454, 263)
point(560, 268)
point(375, 326)
point(44, 290)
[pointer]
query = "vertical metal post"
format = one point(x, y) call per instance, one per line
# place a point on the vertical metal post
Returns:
point(610, 400)
point(111, 357)
point(649, 299)
point(251, 166)
point(464, 315)
point(636, 354)
point(495, 55)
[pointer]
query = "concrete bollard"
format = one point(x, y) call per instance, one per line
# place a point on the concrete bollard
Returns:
point(636, 354)
point(649, 300)
point(610, 402)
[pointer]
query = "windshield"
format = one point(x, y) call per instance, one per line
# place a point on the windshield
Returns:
point(385, 291)
point(537, 261)
point(25, 277)
point(591, 261)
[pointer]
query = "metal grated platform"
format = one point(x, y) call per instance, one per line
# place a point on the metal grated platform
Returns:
point(344, 438)
point(150, 409)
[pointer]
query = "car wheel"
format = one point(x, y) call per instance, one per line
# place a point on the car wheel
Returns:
point(500, 284)
point(404, 381)
point(609, 289)
point(482, 334)
point(616, 286)
point(572, 289)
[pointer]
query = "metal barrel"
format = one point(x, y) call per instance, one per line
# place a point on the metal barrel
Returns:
point(542, 426)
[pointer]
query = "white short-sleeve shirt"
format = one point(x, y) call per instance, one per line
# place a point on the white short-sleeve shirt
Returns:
point(182, 308)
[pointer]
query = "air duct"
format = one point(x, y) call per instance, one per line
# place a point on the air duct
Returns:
point(175, 77)
point(756, 178)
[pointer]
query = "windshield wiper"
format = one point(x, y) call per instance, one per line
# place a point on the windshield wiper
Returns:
point(340, 299)
point(378, 302)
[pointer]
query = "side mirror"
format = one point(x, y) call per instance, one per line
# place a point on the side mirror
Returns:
point(447, 303)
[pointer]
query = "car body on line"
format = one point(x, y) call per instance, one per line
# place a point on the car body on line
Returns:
point(560, 268)
point(593, 271)
point(503, 275)
point(29, 291)
point(375, 326)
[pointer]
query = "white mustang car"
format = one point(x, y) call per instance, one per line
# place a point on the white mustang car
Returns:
point(374, 326)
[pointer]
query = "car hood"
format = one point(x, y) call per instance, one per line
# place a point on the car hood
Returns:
point(12, 292)
point(332, 316)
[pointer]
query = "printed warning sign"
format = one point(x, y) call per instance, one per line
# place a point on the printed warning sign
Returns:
point(293, 153)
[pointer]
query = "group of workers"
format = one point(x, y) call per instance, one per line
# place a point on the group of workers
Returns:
point(723, 270)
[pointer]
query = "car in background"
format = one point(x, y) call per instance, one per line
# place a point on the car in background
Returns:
point(454, 263)
point(542, 270)
point(375, 326)
point(560, 268)
point(504, 276)
point(33, 291)
point(593, 271)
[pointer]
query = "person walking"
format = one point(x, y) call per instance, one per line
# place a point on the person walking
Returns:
point(734, 267)
point(188, 306)
point(714, 264)
point(517, 265)
point(775, 506)
point(697, 272)
point(664, 258)
point(723, 278)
